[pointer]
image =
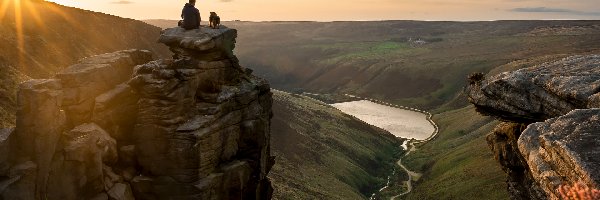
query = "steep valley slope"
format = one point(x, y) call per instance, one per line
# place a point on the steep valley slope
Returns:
point(458, 164)
point(323, 153)
point(38, 39)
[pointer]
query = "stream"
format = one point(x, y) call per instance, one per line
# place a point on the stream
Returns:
point(404, 122)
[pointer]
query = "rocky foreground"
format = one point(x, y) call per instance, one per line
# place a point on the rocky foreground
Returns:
point(551, 133)
point(122, 126)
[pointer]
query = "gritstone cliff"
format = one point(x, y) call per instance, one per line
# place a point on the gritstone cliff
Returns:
point(121, 126)
point(551, 130)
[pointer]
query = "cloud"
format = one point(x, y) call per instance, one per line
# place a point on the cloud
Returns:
point(553, 10)
point(122, 2)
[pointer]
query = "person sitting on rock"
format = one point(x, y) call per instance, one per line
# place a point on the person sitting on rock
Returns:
point(191, 16)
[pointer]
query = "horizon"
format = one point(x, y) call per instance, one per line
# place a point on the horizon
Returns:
point(356, 10)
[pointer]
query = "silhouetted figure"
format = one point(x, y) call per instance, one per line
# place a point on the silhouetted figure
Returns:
point(191, 16)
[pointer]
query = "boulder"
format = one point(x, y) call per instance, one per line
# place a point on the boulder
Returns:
point(203, 44)
point(5, 134)
point(142, 188)
point(93, 76)
point(540, 92)
point(82, 172)
point(20, 182)
point(40, 122)
point(564, 150)
point(121, 191)
point(90, 141)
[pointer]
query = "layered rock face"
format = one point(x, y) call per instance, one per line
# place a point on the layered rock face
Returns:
point(121, 126)
point(551, 134)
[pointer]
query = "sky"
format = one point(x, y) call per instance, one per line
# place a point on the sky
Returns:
point(350, 10)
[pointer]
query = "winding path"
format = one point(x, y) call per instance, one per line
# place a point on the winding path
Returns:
point(411, 174)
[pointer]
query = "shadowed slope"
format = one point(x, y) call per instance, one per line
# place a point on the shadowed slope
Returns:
point(325, 154)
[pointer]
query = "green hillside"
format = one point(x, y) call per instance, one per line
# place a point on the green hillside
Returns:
point(458, 164)
point(325, 154)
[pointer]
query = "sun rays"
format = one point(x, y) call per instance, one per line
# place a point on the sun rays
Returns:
point(26, 18)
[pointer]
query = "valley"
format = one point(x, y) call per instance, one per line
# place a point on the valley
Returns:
point(327, 144)
point(407, 123)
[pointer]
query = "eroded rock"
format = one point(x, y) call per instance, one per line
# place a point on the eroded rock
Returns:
point(87, 150)
point(191, 115)
point(564, 150)
point(5, 134)
point(93, 76)
point(561, 144)
point(119, 126)
point(204, 43)
point(541, 92)
point(503, 143)
point(40, 123)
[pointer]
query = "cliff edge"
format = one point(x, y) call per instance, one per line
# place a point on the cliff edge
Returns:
point(124, 126)
point(551, 130)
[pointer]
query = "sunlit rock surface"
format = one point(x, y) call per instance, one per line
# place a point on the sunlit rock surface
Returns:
point(564, 149)
point(541, 92)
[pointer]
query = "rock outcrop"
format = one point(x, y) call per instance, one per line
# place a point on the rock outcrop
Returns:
point(542, 92)
point(564, 149)
point(551, 134)
point(122, 126)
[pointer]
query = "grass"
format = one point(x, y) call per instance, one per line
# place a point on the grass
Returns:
point(458, 164)
point(361, 50)
point(397, 185)
point(9, 79)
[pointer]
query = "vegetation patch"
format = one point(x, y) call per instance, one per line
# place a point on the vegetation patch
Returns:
point(458, 164)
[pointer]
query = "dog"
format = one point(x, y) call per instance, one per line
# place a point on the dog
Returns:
point(215, 20)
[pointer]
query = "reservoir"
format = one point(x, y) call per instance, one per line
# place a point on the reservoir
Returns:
point(400, 122)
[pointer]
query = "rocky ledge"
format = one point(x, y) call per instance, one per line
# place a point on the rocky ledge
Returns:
point(551, 134)
point(124, 126)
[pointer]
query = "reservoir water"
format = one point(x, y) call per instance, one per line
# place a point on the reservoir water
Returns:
point(400, 122)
